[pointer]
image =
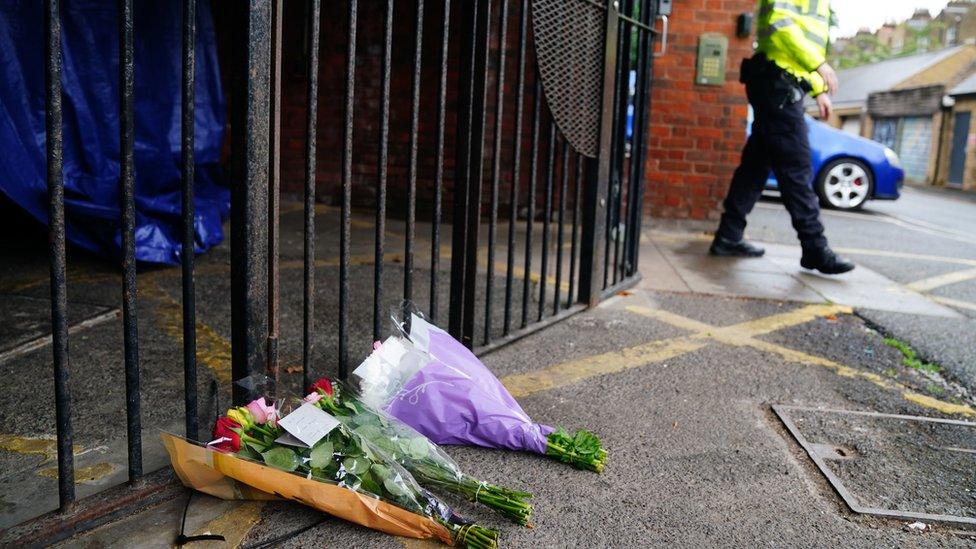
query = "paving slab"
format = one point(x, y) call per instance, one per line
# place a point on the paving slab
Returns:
point(861, 287)
point(778, 275)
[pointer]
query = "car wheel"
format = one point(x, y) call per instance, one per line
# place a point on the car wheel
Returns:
point(845, 184)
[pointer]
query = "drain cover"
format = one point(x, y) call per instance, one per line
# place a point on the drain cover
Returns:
point(906, 467)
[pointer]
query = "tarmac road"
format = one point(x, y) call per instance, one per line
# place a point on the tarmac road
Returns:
point(923, 232)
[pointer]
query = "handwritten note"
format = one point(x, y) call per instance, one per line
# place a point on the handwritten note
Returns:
point(308, 424)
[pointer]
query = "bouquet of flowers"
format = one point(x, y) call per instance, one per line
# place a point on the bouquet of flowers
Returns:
point(431, 467)
point(310, 457)
point(430, 381)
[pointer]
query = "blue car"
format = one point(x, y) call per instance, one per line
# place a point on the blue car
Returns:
point(848, 170)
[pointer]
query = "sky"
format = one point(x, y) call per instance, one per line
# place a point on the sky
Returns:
point(854, 14)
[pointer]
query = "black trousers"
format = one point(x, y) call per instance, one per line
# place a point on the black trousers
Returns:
point(779, 143)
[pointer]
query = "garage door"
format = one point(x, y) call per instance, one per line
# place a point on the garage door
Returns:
point(915, 144)
point(851, 125)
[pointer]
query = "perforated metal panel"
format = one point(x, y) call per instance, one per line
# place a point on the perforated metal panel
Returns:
point(569, 44)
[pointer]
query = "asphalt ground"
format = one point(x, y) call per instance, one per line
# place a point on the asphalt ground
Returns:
point(927, 238)
point(696, 456)
point(678, 386)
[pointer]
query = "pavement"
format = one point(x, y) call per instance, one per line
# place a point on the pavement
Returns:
point(678, 376)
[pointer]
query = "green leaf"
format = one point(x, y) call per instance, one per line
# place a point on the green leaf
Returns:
point(380, 471)
point(394, 487)
point(371, 433)
point(369, 485)
point(280, 457)
point(321, 455)
point(417, 448)
point(247, 451)
point(356, 465)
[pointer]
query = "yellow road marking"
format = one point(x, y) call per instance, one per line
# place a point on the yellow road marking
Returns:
point(569, 373)
point(90, 473)
point(213, 350)
point(739, 333)
point(908, 255)
point(931, 283)
point(958, 303)
point(234, 525)
point(744, 335)
point(46, 447)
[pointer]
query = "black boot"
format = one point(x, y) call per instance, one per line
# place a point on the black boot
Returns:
point(728, 248)
point(825, 260)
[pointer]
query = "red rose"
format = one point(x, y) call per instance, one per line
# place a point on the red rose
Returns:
point(224, 429)
point(323, 384)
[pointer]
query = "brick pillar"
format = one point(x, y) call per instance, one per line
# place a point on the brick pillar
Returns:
point(696, 132)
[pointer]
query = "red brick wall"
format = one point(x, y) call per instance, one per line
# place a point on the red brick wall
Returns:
point(696, 132)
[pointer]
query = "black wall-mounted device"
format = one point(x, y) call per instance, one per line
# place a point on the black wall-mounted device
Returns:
point(743, 25)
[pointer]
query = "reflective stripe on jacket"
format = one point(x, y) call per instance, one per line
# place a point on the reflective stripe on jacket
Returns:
point(793, 34)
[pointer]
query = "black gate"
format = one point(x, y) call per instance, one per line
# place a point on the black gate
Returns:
point(540, 183)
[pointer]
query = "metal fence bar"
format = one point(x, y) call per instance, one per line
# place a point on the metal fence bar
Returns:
point(189, 230)
point(476, 16)
point(516, 168)
point(344, 237)
point(311, 146)
point(476, 166)
point(496, 162)
point(382, 158)
point(642, 109)
point(623, 82)
point(465, 116)
point(564, 175)
point(130, 327)
point(249, 202)
point(593, 244)
point(274, 178)
point(435, 229)
point(56, 232)
point(574, 249)
point(618, 145)
point(530, 217)
point(414, 136)
point(547, 218)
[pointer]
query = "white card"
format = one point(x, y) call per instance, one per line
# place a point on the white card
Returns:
point(288, 440)
point(308, 423)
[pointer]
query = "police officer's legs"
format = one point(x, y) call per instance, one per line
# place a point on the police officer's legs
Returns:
point(744, 191)
point(790, 153)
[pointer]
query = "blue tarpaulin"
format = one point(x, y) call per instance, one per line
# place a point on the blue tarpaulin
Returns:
point(90, 79)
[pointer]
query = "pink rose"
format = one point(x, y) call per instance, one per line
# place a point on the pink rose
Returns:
point(313, 397)
point(377, 345)
point(262, 412)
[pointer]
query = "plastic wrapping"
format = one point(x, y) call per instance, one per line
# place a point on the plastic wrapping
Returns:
point(426, 461)
point(90, 103)
point(227, 476)
point(306, 443)
point(452, 398)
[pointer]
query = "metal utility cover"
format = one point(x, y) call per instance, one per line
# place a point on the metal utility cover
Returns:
point(896, 466)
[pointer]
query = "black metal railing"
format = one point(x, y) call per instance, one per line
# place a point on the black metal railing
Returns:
point(573, 218)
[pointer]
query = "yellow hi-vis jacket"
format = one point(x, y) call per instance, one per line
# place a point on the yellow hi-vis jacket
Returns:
point(793, 34)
